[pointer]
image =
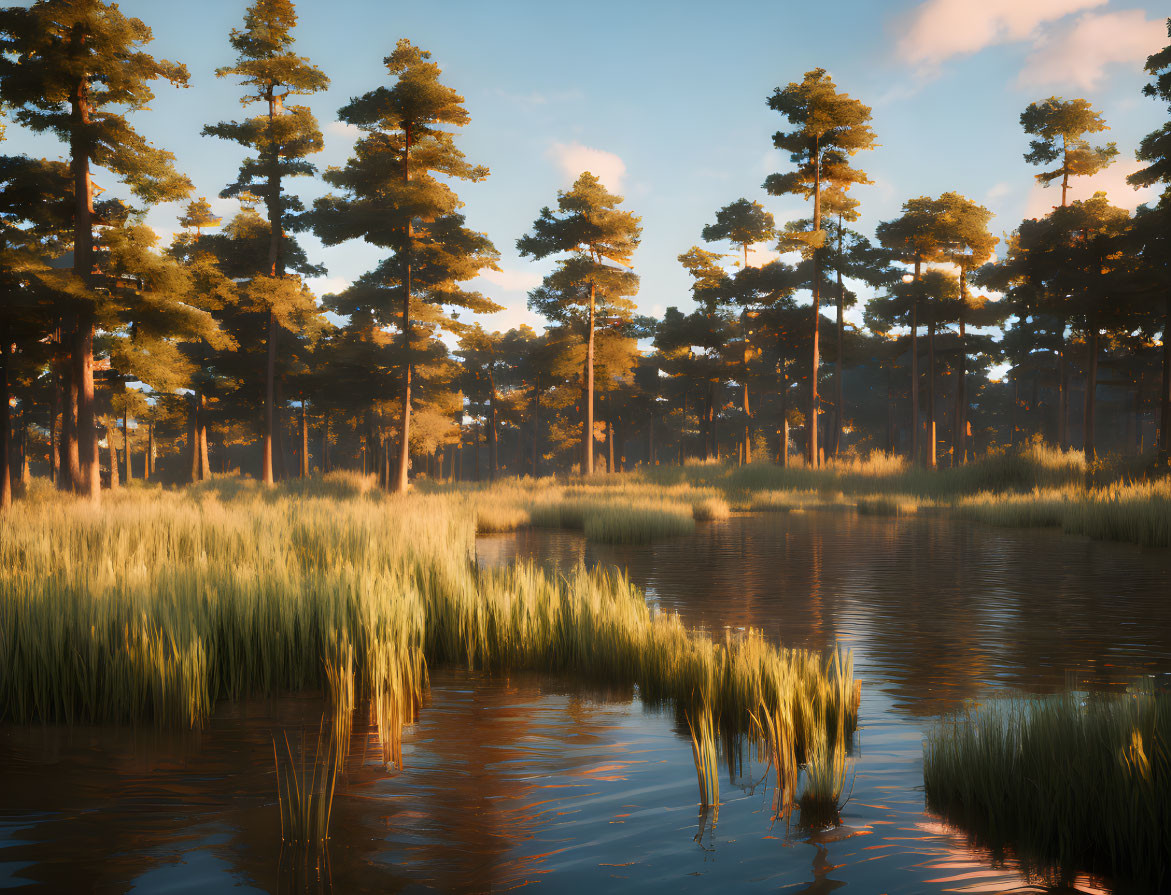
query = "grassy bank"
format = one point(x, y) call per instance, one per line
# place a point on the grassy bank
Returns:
point(1070, 783)
point(156, 604)
point(1034, 487)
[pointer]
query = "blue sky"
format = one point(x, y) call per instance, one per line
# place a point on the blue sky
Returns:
point(666, 102)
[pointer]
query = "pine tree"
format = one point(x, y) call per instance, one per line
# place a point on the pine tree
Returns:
point(743, 224)
point(393, 198)
point(1060, 127)
point(1155, 150)
point(595, 241)
point(966, 243)
point(73, 68)
point(283, 136)
point(914, 238)
point(828, 128)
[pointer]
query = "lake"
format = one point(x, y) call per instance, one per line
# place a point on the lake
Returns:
point(532, 780)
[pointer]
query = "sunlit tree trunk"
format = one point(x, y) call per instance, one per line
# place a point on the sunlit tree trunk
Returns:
point(587, 435)
point(1165, 391)
point(126, 446)
point(5, 423)
point(1091, 394)
point(915, 456)
point(112, 455)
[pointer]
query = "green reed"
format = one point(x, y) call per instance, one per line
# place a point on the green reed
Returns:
point(1071, 783)
point(305, 792)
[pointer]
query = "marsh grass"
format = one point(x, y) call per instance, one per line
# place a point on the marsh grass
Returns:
point(1069, 783)
point(156, 605)
point(881, 505)
point(711, 509)
point(305, 790)
point(704, 754)
point(495, 517)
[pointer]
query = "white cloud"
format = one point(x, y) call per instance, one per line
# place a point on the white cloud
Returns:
point(1077, 55)
point(940, 29)
point(512, 280)
point(1111, 181)
point(323, 286)
point(343, 129)
point(999, 191)
point(574, 158)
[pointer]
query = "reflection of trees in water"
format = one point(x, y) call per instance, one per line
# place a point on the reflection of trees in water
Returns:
point(103, 811)
point(938, 610)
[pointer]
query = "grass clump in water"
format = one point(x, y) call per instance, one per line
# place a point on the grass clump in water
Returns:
point(1070, 783)
point(305, 791)
point(711, 509)
point(881, 505)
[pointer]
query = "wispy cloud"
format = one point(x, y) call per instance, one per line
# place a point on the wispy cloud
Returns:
point(512, 280)
point(575, 158)
point(1079, 54)
point(937, 30)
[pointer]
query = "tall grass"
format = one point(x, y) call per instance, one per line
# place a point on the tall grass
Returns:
point(1071, 783)
point(155, 605)
point(1139, 513)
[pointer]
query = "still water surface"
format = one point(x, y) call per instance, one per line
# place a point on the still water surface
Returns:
point(534, 781)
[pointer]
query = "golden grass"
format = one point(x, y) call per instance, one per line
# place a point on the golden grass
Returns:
point(711, 509)
point(155, 605)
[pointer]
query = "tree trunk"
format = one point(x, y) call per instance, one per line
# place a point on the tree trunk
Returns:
point(536, 422)
point(1165, 391)
point(126, 445)
point(150, 451)
point(326, 460)
point(71, 465)
point(280, 458)
point(1062, 393)
point(814, 401)
point(304, 466)
point(266, 470)
point(650, 441)
point(87, 436)
point(609, 441)
point(961, 443)
point(890, 410)
point(784, 452)
point(915, 457)
point(709, 420)
point(193, 436)
point(1016, 397)
point(683, 428)
point(112, 453)
point(931, 438)
point(88, 481)
point(476, 451)
point(493, 434)
point(1091, 395)
point(54, 432)
point(839, 366)
point(5, 424)
point(587, 435)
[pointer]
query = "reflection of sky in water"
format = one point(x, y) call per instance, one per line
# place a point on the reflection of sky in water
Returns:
point(529, 780)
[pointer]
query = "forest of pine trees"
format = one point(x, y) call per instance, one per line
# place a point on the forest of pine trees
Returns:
point(126, 358)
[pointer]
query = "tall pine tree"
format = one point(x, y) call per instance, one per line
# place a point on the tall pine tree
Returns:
point(75, 69)
point(393, 197)
point(282, 136)
point(828, 128)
